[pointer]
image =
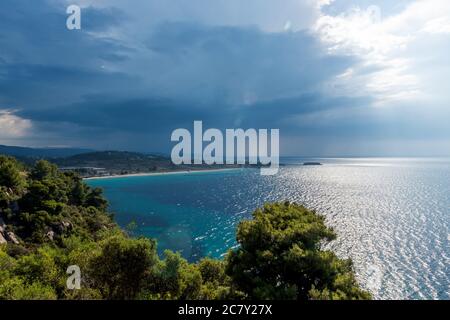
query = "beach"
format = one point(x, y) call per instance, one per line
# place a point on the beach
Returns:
point(115, 176)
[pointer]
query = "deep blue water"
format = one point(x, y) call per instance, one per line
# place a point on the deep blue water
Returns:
point(392, 216)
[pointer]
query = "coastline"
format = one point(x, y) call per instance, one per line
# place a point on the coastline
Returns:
point(117, 176)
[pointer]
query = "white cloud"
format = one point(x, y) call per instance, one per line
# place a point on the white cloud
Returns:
point(438, 25)
point(12, 126)
point(388, 46)
point(322, 3)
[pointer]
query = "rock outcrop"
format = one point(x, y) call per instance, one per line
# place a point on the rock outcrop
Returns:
point(2, 232)
point(62, 227)
point(12, 237)
point(2, 239)
point(7, 236)
point(50, 235)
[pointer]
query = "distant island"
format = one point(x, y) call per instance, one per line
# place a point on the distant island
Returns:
point(312, 164)
point(30, 153)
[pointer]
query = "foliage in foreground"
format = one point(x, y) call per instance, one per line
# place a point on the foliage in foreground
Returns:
point(57, 220)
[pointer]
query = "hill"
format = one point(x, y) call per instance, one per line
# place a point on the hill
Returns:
point(114, 162)
point(104, 163)
point(25, 152)
point(88, 163)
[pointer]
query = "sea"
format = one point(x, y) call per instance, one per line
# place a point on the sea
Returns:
point(391, 215)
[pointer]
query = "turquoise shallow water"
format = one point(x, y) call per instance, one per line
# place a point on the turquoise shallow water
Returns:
point(392, 216)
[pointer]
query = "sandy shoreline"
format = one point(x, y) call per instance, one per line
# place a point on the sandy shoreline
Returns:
point(158, 173)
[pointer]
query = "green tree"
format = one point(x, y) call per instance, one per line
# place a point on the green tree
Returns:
point(78, 193)
point(44, 170)
point(121, 266)
point(280, 258)
point(174, 278)
point(212, 270)
point(12, 178)
point(40, 267)
point(216, 283)
point(95, 198)
point(44, 195)
point(14, 288)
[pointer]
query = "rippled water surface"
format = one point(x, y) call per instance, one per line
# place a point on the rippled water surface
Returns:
point(392, 216)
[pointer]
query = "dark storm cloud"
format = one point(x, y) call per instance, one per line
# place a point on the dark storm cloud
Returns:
point(105, 113)
point(31, 86)
point(42, 63)
point(225, 76)
point(147, 116)
point(237, 61)
point(32, 31)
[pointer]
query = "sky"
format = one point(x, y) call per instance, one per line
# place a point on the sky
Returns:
point(338, 78)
